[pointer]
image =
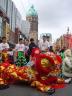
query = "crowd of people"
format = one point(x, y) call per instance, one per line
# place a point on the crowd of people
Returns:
point(24, 48)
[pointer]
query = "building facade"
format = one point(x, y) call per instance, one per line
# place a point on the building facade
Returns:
point(4, 20)
point(68, 41)
point(10, 21)
point(25, 28)
point(65, 41)
point(32, 17)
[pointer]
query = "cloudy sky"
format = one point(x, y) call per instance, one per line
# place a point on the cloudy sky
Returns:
point(54, 15)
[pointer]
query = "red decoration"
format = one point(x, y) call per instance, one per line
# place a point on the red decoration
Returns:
point(58, 86)
point(40, 69)
point(42, 72)
point(59, 59)
point(5, 64)
point(47, 80)
point(35, 52)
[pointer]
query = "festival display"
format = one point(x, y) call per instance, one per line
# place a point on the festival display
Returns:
point(43, 74)
point(47, 68)
point(3, 80)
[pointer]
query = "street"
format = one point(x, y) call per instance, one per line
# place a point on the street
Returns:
point(23, 90)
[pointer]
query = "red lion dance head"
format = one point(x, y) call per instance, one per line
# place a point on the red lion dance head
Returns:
point(46, 68)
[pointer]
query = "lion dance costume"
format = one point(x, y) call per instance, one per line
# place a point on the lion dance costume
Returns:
point(21, 60)
point(43, 74)
point(47, 69)
point(3, 64)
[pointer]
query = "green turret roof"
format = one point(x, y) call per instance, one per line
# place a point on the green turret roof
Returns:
point(32, 12)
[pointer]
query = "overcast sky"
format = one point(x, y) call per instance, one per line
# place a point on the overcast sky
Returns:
point(54, 15)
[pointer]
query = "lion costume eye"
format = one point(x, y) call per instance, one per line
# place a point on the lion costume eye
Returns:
point(45, 62)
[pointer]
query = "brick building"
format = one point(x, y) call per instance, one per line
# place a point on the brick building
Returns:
point(64, 41)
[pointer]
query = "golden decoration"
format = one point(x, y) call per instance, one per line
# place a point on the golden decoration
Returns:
point(45, 62)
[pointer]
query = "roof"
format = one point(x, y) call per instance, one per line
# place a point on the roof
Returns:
point(32, 12)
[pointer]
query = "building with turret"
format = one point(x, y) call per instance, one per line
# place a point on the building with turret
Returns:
point(32, 17)
point(65, 41)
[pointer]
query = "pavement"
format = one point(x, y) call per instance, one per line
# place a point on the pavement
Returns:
point(25, 90)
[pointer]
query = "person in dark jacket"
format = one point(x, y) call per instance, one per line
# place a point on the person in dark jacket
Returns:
point(31, 46)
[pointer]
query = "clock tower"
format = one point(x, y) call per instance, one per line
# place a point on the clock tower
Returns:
point(32, 17)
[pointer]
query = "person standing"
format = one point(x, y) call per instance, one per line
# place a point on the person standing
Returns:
point(11, 55)
point(26, 45)
point(43, 45)
point(20, 50)
point(26, 49)
point(31, 46)
point(4, 46)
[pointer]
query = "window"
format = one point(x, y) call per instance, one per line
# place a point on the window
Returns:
point(0, 26)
